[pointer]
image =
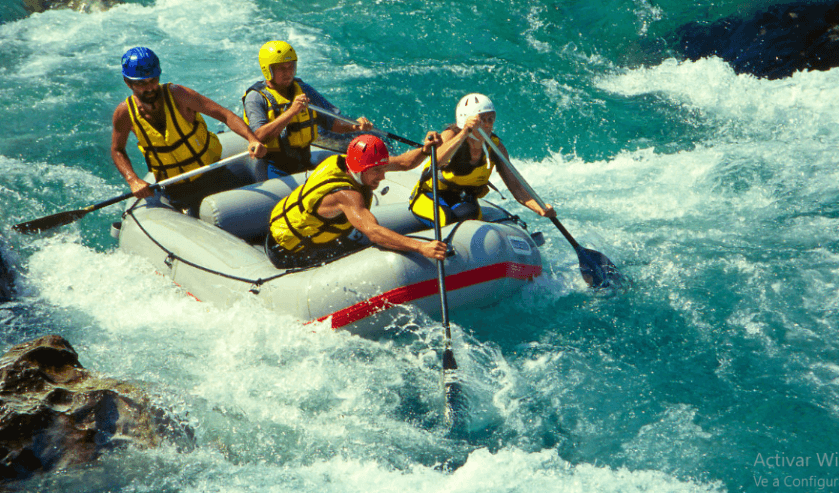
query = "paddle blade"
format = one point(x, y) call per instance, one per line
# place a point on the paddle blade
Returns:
point(50, 222)
point(598, 271)
point(457, 406)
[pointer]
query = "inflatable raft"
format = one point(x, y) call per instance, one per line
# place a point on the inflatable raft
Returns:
point(218, 257)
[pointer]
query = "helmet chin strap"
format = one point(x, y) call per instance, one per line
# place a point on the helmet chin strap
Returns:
point(356, 177)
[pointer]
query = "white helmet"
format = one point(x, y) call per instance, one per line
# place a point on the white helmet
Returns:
point(471, 105)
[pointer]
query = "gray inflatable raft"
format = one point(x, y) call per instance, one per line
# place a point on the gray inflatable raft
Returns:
point(219, 258)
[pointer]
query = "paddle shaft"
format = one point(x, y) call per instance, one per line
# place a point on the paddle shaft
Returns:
point(67, 217)
point(375, 130)
point(441, 269)
point(597, 270)
point(455, 397)
point(200, 171)
point(528, 188)
point(169, 181)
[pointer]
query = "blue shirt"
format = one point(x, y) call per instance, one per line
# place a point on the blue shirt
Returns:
point(257, 108)
point(287, 160)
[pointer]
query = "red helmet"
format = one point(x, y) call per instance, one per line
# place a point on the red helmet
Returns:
point(365, 152)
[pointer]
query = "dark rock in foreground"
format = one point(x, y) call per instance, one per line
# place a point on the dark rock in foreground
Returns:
point(773, 44)
point(54, 413)
point(7, 276)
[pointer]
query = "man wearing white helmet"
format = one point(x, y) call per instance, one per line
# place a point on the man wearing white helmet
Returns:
point(465, 169)
point(277, 111)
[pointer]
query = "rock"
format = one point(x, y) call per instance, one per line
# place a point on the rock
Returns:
point(54, 413)
point(773, 44)
point(33, 6)
point(7, 273)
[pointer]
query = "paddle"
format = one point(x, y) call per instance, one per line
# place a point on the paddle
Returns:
point(453, 389)
point(455, 398)
point(597, 270)
point(62, 218)
point(374, 130)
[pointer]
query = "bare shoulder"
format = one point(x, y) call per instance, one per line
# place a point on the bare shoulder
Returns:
point(122, 107)
point(350, 198)
point(121, 114)
point(190, 101)
point(182, 94)
point(347, 202)
point(449, 133)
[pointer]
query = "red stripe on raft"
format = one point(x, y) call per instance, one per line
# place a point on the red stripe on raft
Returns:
point(413, 292)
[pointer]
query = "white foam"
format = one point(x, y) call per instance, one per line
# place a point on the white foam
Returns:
point(804, 103)
point(504, 470)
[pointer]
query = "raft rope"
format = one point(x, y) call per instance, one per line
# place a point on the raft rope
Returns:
point(171, 257)
point(510, 217)
point(257, 283)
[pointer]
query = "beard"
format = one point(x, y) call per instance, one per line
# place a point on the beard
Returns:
point(150, 97)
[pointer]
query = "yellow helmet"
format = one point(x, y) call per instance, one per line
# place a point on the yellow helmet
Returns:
point(275, 52)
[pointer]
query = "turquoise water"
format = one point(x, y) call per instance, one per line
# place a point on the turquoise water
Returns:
point(716, 193)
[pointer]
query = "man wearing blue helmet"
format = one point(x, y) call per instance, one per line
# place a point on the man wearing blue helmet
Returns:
point(171, 133)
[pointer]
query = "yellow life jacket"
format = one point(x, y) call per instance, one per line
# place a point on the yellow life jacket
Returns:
point(295, 223)
point(183, 146)
point(301, 131)
point(460, 175)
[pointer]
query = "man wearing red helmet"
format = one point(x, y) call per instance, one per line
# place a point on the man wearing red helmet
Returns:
point(318, 220)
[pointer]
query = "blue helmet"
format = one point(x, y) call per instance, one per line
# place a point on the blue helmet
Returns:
point(140, 63)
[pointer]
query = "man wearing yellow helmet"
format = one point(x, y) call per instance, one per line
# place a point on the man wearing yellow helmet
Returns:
point(277, 111)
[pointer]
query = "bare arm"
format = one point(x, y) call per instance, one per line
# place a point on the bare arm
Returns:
point(453, 139)
point(197, 103)
point(122, 128)
point(518, 191)
point(351, 204)
point(275, 127)
point(342, 127)
point(414, 157)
